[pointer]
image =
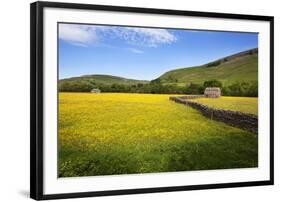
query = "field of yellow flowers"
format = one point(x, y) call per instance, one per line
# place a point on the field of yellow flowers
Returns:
point(115, 133)
point(247, 105)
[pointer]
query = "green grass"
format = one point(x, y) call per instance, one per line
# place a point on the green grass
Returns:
point(238, 69)
point(105, 134)
point(247, 105)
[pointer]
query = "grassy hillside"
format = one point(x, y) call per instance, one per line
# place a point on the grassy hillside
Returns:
point(106, 83)
point(239, 67)
point(104, 79)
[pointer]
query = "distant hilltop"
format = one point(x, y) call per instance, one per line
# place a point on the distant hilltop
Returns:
point(242, 66)
point(104, 79)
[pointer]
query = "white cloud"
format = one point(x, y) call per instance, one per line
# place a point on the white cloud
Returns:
point(134, 50)
point(148, 36)
point(88, 34)
point(80, 35)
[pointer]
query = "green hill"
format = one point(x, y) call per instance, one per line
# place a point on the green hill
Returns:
point(104, 79)
point(239, 67)
point(87, 82)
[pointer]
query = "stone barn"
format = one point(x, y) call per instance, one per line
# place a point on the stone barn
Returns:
point(212, 92)
point(95, 90)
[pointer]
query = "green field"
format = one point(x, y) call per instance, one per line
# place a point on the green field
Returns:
point(107, 133)
point(247, 105)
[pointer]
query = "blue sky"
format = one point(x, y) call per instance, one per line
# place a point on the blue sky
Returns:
point(142, 53)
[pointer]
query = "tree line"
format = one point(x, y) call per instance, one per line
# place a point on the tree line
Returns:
point(156, 87)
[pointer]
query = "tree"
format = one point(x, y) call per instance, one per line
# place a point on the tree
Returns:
point(194, 89)
point(212, 83)
point(242, 89)
point(213, 64)
point(75, 86)
point(156, 81)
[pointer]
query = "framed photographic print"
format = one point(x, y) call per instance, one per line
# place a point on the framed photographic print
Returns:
point(136, 100)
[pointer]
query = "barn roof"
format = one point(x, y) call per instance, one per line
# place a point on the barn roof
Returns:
point(215, 89)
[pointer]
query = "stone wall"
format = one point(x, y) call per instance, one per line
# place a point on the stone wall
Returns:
point(192, 96)
point(237, 119)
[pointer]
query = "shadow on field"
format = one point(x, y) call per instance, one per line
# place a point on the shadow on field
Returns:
point(154, 155)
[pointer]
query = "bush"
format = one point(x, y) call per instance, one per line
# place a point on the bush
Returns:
point(249, 89)
point(75, 86)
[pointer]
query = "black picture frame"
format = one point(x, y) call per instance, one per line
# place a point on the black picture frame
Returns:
point(36, 98)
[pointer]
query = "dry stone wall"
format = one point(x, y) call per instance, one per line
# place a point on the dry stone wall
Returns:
point(237, 119)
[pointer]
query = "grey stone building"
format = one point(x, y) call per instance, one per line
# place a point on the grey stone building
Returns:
point(212, 92)
point(95, 90)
